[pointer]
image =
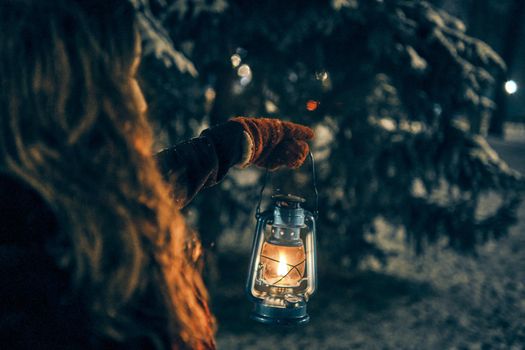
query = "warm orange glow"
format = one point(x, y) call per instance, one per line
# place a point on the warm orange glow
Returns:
point(283, 265)
point(312, 105)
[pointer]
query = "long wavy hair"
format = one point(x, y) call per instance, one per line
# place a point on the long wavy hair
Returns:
point(71, 129)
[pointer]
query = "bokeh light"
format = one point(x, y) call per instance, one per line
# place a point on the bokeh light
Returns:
point(236, 60)
point(244, 71)
point(511, 87)
point(312, 105)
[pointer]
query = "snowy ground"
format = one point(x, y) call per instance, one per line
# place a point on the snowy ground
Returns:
point(437, 301)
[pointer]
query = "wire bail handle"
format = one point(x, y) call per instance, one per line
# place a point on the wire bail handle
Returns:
point(314, 180)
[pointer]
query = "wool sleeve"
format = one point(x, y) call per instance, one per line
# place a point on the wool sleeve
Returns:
point(201, 162)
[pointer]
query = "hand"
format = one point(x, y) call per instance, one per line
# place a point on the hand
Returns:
point(276, 143)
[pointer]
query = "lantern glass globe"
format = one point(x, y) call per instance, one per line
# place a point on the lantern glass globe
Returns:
point(283, 265)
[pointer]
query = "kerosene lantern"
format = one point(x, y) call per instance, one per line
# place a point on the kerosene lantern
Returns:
point(282, 274)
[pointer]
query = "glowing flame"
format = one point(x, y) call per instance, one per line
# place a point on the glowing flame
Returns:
point(282, 269)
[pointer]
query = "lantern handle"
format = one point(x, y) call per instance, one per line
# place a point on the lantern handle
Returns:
point(258, 209)
point(314, 180)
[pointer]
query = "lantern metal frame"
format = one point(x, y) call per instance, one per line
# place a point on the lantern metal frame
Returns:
point(288, 308)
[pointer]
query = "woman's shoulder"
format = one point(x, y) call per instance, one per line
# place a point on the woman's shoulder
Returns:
point(25, 218)
point(35, 313)
point(25, 223)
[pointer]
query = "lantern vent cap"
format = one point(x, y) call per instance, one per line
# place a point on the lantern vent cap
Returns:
point(288, 200)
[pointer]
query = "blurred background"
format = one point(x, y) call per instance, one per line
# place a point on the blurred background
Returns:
point(419, 114)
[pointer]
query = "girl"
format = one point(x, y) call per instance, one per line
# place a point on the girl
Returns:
point(93, 251)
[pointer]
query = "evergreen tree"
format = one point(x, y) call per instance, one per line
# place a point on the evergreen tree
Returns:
point(398, 94)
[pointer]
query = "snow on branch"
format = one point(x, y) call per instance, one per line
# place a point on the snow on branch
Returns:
point(461, 69)
point(157, 41)
point(194, 8)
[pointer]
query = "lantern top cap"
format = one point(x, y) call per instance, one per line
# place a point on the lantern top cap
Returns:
point(290, 198)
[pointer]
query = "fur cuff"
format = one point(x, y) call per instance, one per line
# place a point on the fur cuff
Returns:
point(248, 148)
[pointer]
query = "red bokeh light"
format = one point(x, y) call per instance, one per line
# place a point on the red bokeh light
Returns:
point(312, 105)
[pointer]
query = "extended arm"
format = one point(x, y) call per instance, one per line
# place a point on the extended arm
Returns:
point(204, 161)
point(201, 162)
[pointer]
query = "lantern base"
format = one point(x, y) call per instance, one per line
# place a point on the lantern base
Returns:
point(290, 316)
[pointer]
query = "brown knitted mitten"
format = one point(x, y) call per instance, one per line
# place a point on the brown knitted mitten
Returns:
point(276, 143)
